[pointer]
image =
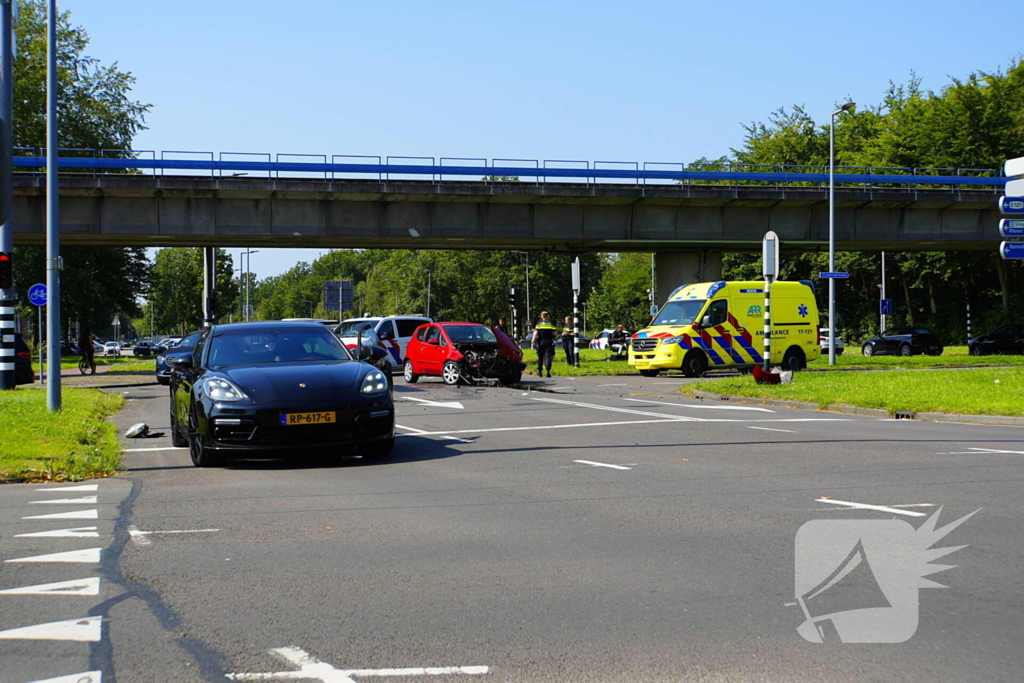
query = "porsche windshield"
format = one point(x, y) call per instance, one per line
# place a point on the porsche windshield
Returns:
point(679, 312)
point(275, 346)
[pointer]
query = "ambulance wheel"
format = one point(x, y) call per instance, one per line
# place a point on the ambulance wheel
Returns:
point(794, 359)
point(650, 373)
point(695, 364)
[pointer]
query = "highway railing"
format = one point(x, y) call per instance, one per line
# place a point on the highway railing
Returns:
point(536, 171)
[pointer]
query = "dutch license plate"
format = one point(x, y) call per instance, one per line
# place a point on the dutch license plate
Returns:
point(289, 419)
point(642, 363)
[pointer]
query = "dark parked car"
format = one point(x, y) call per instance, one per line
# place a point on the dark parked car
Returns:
point(163, 361)
point(250, 388)
point(903, 341)
point(145, 348)
point(457, 352)
point(23, 373)
point(1008, 339)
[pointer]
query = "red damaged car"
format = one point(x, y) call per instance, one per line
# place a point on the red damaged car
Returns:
point(462, 352)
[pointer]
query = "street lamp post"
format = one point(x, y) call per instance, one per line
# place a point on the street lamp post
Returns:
point(516, 251)
point(832, 230)
point(248, 269)
point(428, 289)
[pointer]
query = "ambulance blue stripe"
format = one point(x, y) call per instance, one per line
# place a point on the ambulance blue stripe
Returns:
point(736, 358)
point(715, 358)
point(749, 349)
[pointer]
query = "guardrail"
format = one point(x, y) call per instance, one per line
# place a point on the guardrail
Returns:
point(234, 164)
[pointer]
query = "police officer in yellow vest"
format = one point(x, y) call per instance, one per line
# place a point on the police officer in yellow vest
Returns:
point(568, 341)
point(544, 342)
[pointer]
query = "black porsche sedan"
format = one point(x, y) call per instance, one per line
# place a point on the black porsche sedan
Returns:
point(903, 341)
point(1008, 339)
point(249, 389)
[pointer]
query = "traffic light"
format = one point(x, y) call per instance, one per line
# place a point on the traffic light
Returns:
point(513, 297)
point(6, 270)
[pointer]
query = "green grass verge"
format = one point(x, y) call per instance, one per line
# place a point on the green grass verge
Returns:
point(134, 366)
point(987, 391)
point(69, 362)
point(952, 356)
point(73, 444)
point(592, 363)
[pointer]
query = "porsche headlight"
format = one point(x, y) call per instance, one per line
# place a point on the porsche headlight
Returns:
point(374, 383)
point(219, 389)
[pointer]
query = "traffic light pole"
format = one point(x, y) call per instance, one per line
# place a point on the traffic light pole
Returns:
point(7, 295)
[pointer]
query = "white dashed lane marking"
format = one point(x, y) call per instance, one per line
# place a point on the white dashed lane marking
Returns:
point(770, 429)
point(601, 464)
point(864, 506)
point(77, 514)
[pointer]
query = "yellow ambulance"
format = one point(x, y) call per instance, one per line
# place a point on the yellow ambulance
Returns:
point(721, 325)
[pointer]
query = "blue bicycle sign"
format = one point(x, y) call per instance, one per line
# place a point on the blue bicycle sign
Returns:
point(37, 295)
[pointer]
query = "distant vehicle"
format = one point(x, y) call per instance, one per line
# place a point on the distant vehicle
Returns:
point(145, 348)
point(525, 342)
point(163, 361)
point(249, 389)
point(903, 341)
point(169, 342)
point(457, 352)
point(322, 321)
point(394, 331)
point(1008, 339)
point(111, 349)
point(601, 340)
point(823, 342)
point(23, 373)
point(363, 334)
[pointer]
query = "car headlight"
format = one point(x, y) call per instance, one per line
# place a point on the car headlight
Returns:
point(374, 383)
point(221, 390)
point(161, 359)
point(671, 340)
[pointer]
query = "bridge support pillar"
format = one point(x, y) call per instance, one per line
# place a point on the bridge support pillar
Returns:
point(675, 269)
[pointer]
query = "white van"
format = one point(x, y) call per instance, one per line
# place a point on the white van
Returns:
point(394, 331)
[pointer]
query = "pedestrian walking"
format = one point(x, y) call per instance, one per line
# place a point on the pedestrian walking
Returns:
point(544, 342)
point(569, 341)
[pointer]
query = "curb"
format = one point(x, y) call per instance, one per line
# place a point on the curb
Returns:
point(1000, 420)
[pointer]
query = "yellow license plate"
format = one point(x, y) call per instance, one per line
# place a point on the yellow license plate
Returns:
point(642, 363)
point(289, 419)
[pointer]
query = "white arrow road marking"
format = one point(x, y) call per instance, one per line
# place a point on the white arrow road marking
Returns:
point(84, 677)
point(88, 629)
point(700, 407)
point(90, 586)
point(88, 555)
point(66, 501)
point(423, 431)
point(311, 668)
point(601, 464)
point(616, 410)
point(77, 514)
point(83, 487)
point(80, 532)
point(862, 506)
point(439, 404)
point(769, 429)
point(166, 448)
point(140, 537)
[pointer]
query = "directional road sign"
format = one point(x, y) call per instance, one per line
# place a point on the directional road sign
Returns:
point(1014, 166)
point(1014, 188)
point(1011, 250)
point(1011, 227)
point(37, 295)
point(836, 276)
point(770, 255)
point(1011, 204)
point(885, 306)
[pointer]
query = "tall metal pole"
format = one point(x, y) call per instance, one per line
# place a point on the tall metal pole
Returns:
point(882, 329)
point(832, 231)
point(52, 218)
point(7, 301)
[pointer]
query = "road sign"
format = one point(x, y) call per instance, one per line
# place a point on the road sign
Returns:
point(1011, 204)
point(1011, 227)
point(576, 275)
point(1014, 167)
point(885, 306)
point(1011, 250)
point(1014, 188)
point(770, 255)
point(247, 311)
point(834, 276)
point(37, 295)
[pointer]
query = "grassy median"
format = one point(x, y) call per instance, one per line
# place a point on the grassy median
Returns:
point(73, 444)
point(986, 391)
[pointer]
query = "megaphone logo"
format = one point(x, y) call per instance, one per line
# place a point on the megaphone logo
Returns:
point(858, 580)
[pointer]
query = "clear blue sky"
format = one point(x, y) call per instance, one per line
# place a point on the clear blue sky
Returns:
point(639, 81)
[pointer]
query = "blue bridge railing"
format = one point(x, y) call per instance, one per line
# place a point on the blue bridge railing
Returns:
point(253, 164)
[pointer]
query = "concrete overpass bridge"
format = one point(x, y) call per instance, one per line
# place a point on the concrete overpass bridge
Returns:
point(687, 216)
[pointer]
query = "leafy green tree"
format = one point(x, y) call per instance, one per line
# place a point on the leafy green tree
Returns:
point(96, 112)
point(176, 295)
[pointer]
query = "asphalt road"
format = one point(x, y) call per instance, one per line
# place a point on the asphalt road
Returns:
point(604, 529)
